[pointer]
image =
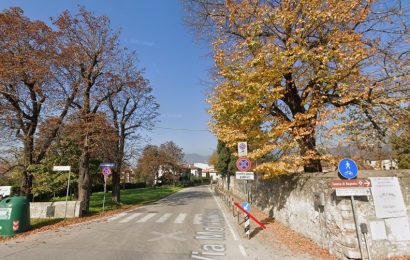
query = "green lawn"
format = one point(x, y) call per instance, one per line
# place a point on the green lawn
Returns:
point(130, 197)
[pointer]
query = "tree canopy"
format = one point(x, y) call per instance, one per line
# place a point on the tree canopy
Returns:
point(289, 73)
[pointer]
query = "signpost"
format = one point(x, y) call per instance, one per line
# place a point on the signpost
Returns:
point(356, 183)
point(348, 168)
point(245, 176)
point(64, 169)
point(5, 191)
point(358, 187)
point(106, 171)
point(242, 149)
point(244, 164)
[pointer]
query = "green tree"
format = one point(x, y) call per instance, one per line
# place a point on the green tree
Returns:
point(401, 143)
point(225, 164)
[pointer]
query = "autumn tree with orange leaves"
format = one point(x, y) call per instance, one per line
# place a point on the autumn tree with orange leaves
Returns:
point(29, 86)
point(289, 72)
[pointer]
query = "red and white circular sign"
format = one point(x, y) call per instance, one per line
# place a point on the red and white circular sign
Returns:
point(243, 164)
point(106, 171)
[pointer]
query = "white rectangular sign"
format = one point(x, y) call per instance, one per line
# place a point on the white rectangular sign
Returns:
point(242, 149)
point(245, 176)
point(352, 192)
point(61, 168)
point(387, 197)
point(5, 190)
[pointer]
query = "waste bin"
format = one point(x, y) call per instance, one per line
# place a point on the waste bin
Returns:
point(14, 216)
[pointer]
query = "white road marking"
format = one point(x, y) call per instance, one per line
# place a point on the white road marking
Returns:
point(243, 252)
point(117, 216)
point(241, 248)
point(226, 219)
point(148, 216)
point(170, 235)
point(198, 219)
point(164, 218)
point(180, 219)
point(129, 218)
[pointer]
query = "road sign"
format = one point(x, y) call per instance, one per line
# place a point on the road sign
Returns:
point(356, 183)
point(243, 164)
point(242, 149)
point(245, 175)
point(106, 171)
point(352, 192)
point(5, 191)
point(61, 168)
point(107, 165)
point(246, 206)
point(348, 168)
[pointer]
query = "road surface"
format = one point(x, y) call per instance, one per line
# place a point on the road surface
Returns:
point(190, 224)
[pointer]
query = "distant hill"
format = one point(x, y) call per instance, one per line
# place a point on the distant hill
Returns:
point(196, 158)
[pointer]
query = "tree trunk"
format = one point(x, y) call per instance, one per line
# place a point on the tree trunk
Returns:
point(116, 188)
point(84, 180)
point(27, 181)
point(308, 149)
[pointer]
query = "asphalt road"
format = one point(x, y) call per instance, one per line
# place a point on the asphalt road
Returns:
point(190, 224)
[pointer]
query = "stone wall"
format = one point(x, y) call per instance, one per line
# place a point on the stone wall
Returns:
point(55, 209)
point(290, 200)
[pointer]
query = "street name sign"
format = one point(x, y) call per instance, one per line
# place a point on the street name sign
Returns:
point(243, 164)
point(5, 191)
point(245, 175)
point(107, 165)
point(340, 192)
point(61, 168)
point(348, 168)
point(356, 183)
point(242, 149)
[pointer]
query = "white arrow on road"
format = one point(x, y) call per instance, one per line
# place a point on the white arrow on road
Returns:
point(170, 235)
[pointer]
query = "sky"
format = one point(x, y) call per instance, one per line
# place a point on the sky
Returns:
point(174, 62)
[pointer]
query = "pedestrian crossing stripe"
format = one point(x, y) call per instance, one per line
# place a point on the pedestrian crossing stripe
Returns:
point(130, 217)
point(139, 217)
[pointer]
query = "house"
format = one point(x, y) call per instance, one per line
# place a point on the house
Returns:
point(381, 164)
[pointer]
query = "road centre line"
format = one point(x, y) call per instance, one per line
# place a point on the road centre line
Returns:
point(180, 219)
point(148, 216)
point(129, 218)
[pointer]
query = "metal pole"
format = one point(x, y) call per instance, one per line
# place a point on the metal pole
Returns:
point(105, 190)
point(356, 222)
point(367, 247)
point(66, 196)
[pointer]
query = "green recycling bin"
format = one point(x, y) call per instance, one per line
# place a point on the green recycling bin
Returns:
point(14, 216)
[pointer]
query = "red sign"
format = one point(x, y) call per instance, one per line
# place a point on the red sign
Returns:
point(355, 183)
point(243, 164)
point(106, 171)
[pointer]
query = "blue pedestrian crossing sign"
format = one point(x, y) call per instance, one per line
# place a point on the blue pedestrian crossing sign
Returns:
point(348, 168)
point(246, 206)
